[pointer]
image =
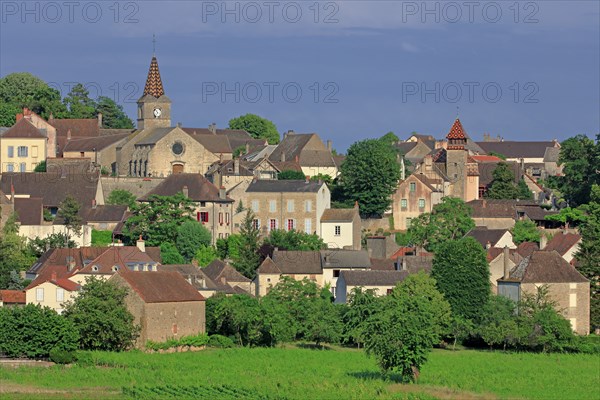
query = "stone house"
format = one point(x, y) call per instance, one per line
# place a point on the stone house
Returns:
point(566, 286)
point(47, 129)
point(213, 208)
point(496, 258)
point(230, 173)
point(287, 204)
point(297, 265)
point(224, 276)
point(307, 150)
point(415, 195)
point(196, 277)
point(335, 261)
point(164, 304)
point(382, 282)
point(341, 229)
point(101, 150)
point(564, 243)
point(492, 237)
point(12, 298)
point(22, 147)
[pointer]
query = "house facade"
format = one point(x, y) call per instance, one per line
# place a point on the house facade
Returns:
point(414, 196)
point(22, 147)
point(308, 151)
point(52, 293)
point(341, 229)
point(381, 282)
point(297, 265)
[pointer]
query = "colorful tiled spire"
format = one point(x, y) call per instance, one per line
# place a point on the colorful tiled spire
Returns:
point(154, 86)
point(457, 137)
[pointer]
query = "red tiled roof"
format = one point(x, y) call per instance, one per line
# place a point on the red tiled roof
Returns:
point(12, 296)
point(562, 242)
point(23, 129)
point(525, 249)
point(161, 286)
point(78, 127)
point(154, 86)
point(66, 284)
point(29, 210)
point(117, 256)
point(457, 131)
point(486, 158)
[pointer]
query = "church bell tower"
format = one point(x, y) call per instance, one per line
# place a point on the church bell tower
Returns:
point(154, 107)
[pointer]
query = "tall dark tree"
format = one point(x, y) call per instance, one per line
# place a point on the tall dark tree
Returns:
point(462, 274)
point(370, 176)
point(258, 127)
point(68, 210)
point(503, 186)
point(580, 159)
point(191, 236)
point(248, 259)
point(79, 103)
point(113, 116)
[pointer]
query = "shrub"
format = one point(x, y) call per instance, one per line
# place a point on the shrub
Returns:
point(60, 356)
point(220, 341)
point(189, 341)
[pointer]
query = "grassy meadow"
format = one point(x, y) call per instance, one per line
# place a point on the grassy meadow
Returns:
point(297, 373)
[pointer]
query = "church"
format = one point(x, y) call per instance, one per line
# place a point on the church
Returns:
point(159, 149)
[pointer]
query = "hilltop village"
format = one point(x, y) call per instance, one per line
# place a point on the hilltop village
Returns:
point(180, 215)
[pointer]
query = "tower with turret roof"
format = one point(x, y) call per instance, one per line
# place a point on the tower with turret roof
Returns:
point(456, 160)
point(154, 107)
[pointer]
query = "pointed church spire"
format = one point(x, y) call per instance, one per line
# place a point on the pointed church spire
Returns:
point(154, 86)
point(457, 137)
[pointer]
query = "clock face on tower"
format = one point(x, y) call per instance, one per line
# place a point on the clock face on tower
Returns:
point(157, 112)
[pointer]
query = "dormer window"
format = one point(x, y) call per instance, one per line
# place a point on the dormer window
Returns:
point(115, 268)
point(95, 268)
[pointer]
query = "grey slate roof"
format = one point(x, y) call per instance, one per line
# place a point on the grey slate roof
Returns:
point(298, 262)
point(373, 278)
point(517, 149)
point(484, 235)
point(285, 186)
point(89, 144)
point(153, 137)
point(218, 270)
point(336, 258)
point(339, 215)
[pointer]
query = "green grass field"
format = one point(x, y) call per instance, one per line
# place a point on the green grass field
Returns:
point(295, 373)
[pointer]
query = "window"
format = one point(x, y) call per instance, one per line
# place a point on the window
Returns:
point(221, 218)
point(255, 205)
point(408, 222)
point(404, 203)
point(227, 218)
point(39, 294)
point(573, 300)
point(290, 205)
point(82, 154)
point(336, 273)
point(389, 291)
point(60, 294)
point(203, 217)
point(256, 223)
point(34, 151)
point(337, 230)
point(10, 167)
point(22, 167)
point(22, 151)
point(308, 205)
point(291, 224)
point(272, 205)
point(421, 203)
point(11, 151)
point(308, 225)
point(413, 186)
point(272, 224)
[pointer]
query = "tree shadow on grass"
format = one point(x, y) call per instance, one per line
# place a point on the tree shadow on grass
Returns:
point(312, 346)
point(378, 375)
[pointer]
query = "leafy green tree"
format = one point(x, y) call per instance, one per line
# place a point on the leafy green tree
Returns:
point(191, 236)
point(362, 304)
point(580, 159)
point(289, 174)
point(294, 240)
point(258, 127)
point(237, 315)
point(413, 319)
point(588, 254)
point(523, 191)
point(158, 219)
point(229, 247)
point(449, 220)
point(101, 238)
point(170, 255)
point(205, 255)
point(328, 180)
point(460, 329)
point(503, 186)
point(15, 255)
point(501, 156)
point(8, 114)
point(32, 331)
point(324, 323)
point(568, 216)
point(100, 315)
point(39, 246)
point(113, 116)
point(370, 176)
point(68, 210)
point(525, 231)
point(389, 138)
point(79, 103)
point(16, 282)
point(248, 258)
point(277, 326)
point(462, 274)
point(41, 167)
point(22, 89)
point(121, 197)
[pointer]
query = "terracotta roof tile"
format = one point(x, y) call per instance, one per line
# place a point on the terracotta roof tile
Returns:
point(29, 210)
point(218, 269)
point(298, 262)
point(545, 267)
point(161, 286)
point(77, 127)
point(23, 129)
point(456, 131)
point(339, 215)
point(562, 242)
point(154, 86)
point(12, 296)
point(199, 188)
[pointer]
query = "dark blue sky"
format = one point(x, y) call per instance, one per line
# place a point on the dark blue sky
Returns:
point(363, 68)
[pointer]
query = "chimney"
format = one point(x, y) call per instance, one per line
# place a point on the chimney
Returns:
point(506, 265)
point(185, 191)
point(488, 245)
point(484, 203)
point(53, 276)
point(141, 245)
point(99, 120)
point(19, 117)
point(221, 157)
point(236, 166)
point(247, 148)
point(179, 124)
point(51, 118)
point(71, 264)
point(356, 204)
point(213, 128)
point(329, 146)
point(543, 241)
point(69, 134)
point(404, 266)
point(222, 193)
point(93, 204)
point(195, 262)
point(307, 179)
